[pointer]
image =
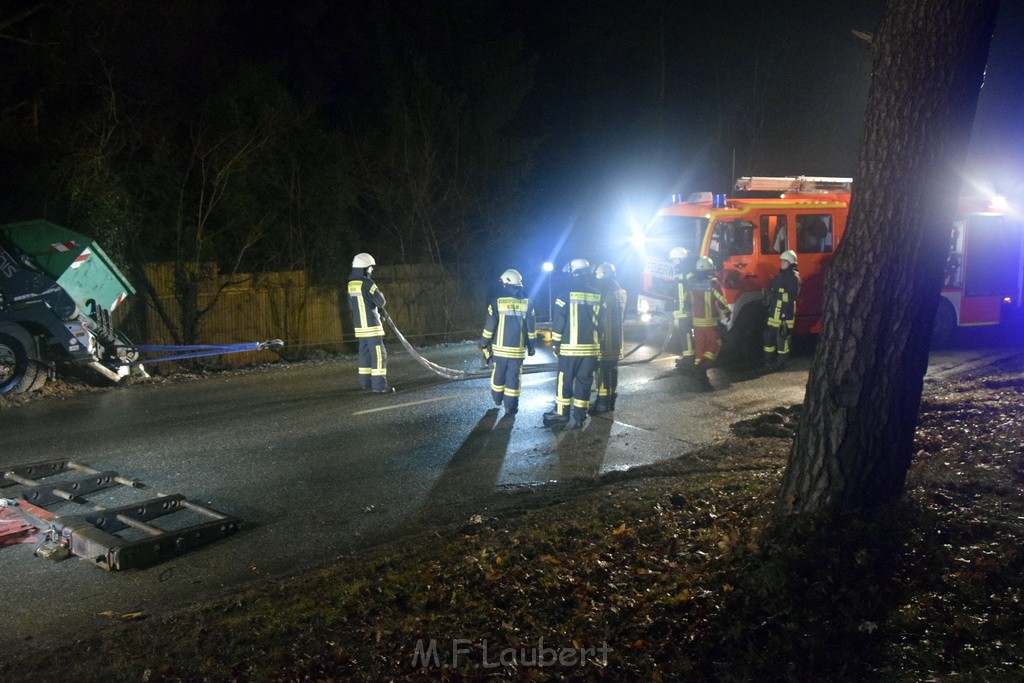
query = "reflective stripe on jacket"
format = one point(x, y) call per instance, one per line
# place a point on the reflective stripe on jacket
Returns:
point(364, 300)
point(510, 326)
point(576, 321)
point(782, 293)
point(706, 300)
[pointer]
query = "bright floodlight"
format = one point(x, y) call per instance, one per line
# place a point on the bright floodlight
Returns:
point(548, 266)
point(638, 239)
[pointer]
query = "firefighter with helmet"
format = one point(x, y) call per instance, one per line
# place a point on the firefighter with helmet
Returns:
point(509, 335)
point(613, 313)
point(708, 308)
point(780, 299)
point(575, 326)
point(682, 325)
point(367, 303)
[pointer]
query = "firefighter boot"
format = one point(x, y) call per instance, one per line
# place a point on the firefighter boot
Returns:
point(576, 421)
point(554, 418)
point(601, 405)
point(611, 402)
point(701, 375)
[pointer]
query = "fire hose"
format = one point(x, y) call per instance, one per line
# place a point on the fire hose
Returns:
point(455, 374)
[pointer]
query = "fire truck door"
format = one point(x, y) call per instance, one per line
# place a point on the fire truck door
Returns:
point(815, 242)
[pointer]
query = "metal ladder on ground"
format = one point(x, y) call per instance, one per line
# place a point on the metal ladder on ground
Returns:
point(117, 537)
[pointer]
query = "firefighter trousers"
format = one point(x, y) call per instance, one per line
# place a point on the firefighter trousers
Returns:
point(708, 342)
point(373, 364)
point(607, 382)
point(776, 341)
point(575, 380)
point(506, 379)
point(682, 341)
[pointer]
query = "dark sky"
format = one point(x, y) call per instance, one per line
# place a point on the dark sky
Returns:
point(634, 100)
point(637, 100)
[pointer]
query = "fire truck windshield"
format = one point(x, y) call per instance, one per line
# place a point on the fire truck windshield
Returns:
point(666, 232)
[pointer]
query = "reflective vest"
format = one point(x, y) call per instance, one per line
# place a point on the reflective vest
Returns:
point(706, 300)
point(510, 326)
point(364, 300)
point(576, 321)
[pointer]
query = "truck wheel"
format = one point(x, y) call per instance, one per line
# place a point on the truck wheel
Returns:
point(944, 325)
point(744, 342)
point(19, 372)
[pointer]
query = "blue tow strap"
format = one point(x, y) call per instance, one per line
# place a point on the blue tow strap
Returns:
point(199, 350)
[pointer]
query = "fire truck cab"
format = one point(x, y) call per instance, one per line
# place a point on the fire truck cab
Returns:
point(745, 233)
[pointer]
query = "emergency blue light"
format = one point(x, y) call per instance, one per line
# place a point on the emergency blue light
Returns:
point(719, 201)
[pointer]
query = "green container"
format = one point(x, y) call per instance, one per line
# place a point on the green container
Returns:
point(75, 261)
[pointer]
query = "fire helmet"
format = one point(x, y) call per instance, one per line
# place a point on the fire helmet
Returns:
point(704, 263)
point(363, 260)
point(512, 277)
point(678, 253)
point(579, 265)
point(605, 270)
point(788, 255)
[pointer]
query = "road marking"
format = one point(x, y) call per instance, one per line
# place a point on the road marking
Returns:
point(396, 406)
point(438, 398)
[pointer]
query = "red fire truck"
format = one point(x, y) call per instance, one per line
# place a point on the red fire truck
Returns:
point(745, 232)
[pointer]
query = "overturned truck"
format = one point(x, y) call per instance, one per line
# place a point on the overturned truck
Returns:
point(57, 292)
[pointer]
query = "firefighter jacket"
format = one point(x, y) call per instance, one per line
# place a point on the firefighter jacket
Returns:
point(576, 320)
point(706, 299)
point(366, 302)
point(781, 295)
point(682, 310)
point(613, 312)
point(510, 328)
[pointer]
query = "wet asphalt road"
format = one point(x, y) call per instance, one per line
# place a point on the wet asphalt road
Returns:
point(317, 468)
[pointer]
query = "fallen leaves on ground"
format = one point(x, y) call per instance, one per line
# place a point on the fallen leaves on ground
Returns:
point(676, 569)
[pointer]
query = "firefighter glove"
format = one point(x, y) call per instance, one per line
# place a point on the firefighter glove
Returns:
point(556, 347)
point(530, 350)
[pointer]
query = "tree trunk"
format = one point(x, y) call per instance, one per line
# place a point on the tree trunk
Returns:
point(855, 439)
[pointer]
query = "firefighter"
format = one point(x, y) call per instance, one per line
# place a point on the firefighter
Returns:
point(708, 308)
point(574, 334)
point(613, 313)
point(780, 298)
point(367, 302)
point(682, 327)
point(508, 337)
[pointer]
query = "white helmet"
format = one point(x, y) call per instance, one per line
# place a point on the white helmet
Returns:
point(678, 253)
point(605, 270)
point(512, 277)
point(578, 264)
point(705, 263)
point(788, 255)
point(363, 260)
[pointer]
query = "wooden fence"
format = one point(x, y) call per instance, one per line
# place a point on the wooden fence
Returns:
point(427, 303)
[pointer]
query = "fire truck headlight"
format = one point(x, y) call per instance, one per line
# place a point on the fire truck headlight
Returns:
point(638, 240)
point(643, 305)
point(645, 318)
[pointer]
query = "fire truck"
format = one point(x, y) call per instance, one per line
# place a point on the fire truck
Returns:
point(745, 232)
